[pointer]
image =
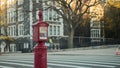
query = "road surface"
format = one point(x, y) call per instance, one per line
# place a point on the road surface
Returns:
point(61, 61)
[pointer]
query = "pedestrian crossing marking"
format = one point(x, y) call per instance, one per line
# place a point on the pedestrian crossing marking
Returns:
point(84, 64)
point(70, 62)
point(48, 64)
point(5, 66)
point(96, 62)
point(24, 61)
point(28, 65)
point(76, 62)
point(109, 61)
point(54, 64)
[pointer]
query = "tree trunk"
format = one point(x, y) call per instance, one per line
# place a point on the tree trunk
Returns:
point(70, 39)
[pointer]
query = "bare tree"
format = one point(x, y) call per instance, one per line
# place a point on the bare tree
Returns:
point(72, 12)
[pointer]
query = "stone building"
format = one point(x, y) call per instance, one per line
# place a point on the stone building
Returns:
point(21, 15)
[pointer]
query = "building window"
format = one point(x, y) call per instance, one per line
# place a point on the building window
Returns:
point(14, 16)
point(11, 16)
point(20, 15)
point(8, 30)
point(45, 15)
point(20, 29)
point(20, 2)
point(95, 33)
point(58, 30)
point(26, 45)
point(50, 14)
point(37, 1)
point(37, 17)
point(11, 30)
point(58, 17)
point(14, 30)
point(54, 16)
point(50, 30)
point(54, 30)
point(8, 17)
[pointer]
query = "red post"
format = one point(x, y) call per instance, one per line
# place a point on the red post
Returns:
point(40, 35)
point(40, 57)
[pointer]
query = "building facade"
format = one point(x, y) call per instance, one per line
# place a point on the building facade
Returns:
point(21, 15)
point(3, 25)
point(96, 23)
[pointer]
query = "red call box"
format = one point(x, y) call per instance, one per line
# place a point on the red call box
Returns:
point(40, 31)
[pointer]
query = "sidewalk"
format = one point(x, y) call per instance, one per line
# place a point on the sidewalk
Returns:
point(97, 52)
point(105, 51)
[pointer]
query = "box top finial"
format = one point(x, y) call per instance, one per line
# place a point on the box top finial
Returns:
point(40, 15)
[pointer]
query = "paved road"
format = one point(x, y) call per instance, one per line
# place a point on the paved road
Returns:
point(61, 61)
point(100, 52)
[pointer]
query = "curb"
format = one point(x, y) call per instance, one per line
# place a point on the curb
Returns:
point(91, 47)
point(70, 52)
point(81, 55)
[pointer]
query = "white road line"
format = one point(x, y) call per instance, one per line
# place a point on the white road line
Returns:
point(97, 62)
point(109, 66)
point(54, 64)
point(48, 64)
point(49, 67)
point(20, 61)
point(109, 61)
point(5, 66)
point(100, 62)
point(28, 65)
point(79, 63)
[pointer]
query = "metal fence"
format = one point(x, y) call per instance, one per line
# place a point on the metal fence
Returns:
point(27, 44)
point(87, 42)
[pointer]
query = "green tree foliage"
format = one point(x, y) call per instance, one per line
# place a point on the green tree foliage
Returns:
point(112, 22)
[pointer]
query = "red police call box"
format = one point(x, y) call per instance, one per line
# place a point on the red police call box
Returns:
point(40, 31)
point(40, 35)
